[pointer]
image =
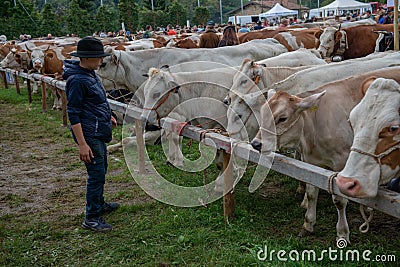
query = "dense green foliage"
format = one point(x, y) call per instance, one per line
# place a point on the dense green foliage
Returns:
point(83, 17)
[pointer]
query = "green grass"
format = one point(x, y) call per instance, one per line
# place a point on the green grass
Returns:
point(150, 233)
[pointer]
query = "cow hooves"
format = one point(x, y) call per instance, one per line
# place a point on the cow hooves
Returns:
point(304, 233)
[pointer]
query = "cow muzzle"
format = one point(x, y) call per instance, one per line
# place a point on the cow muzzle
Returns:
point(349, 186)
point(256, 144)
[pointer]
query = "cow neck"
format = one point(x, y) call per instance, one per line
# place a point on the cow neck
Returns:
point(378, 156)
point(115, 73)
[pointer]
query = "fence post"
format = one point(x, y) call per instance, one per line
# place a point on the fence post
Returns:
point(140, 146)
point(28, 86)
point(3, 73)
point(44, 109)
point(63, 106)
point(17, 83)
point(229, 200)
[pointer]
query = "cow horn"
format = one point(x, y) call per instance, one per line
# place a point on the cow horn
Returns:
point(340, 25)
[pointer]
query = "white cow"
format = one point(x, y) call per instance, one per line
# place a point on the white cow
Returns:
point(315, 124)
point(126, 69)
point(375, 153)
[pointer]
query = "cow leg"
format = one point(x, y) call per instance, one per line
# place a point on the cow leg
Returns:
point(342, 226)
point(35, 87)
point(311, 213)
point(174, 153)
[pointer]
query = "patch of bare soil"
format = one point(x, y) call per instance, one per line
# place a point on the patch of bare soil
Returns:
point(40, 170)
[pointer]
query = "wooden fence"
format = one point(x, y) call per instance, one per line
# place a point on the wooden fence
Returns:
point(385, 201)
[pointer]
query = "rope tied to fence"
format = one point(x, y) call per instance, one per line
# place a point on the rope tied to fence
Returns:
point(365, 226)
point(330, 182)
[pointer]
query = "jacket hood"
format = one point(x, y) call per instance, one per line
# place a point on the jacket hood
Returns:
point(71, 67)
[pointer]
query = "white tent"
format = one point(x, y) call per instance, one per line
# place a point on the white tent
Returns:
point(339, 5)
point(278, 11)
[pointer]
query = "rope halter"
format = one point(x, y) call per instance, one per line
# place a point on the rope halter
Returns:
point(379, 156)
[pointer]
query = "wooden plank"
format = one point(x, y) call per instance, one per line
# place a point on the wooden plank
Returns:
point(63, 106)
point(229, 198)
point(16, 78)
point(140, 146)
point(28, 86)
point(4, 79)
point(44, 108)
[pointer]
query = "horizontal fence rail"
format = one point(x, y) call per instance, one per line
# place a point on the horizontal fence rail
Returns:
point(386, 201)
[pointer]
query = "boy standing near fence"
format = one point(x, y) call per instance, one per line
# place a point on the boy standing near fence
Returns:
point(91, 122)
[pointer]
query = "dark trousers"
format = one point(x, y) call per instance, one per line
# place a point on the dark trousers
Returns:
point(97, 175)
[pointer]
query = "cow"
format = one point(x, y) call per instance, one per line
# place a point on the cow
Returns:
point(126, 69)
point(375, 152)
point(6, 48)
point(315, 124)
point(17, 60)
point(260, 34)
point(294, 40)
point(268, 75)
point(312, 78)
point(351, 42)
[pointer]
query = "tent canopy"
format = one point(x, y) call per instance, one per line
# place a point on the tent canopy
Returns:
point(345, 5)
point(278, 11)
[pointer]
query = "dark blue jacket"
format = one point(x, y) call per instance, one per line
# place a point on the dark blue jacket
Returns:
point(87, 101)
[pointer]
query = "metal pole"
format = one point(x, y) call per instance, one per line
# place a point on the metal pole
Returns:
point(101, 2)
point(198, 3)
point(152, 5)
point(220, 9)
point(241, 4)
point(396, 25)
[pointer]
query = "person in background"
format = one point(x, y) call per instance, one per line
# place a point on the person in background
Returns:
point(258, 26)
point(170, 30)
point(284, 23)
point(243, 29)
point(49, 37)
point(229, 37)
point(91, 123)
point(3, 39)
point(148, 33)
point(209, 38)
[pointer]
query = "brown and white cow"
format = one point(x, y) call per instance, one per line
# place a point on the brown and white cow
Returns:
point(315, 124)
point(294, 40)
point(352, 42)
point(260, 34)
point(375, 153)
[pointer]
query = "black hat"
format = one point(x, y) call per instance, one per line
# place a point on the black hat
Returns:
point(211, 23)
point(90, 47)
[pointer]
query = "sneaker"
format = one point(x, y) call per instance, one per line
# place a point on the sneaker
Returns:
point(96, 224)
point(109, 207)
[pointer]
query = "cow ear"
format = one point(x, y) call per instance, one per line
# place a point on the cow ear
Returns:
point(271, 93)
point(318, 33)
point(366, 83)
point(338, 35)
point(17, 56)
point(310, 102)
point(174, 86)
point(50, 54)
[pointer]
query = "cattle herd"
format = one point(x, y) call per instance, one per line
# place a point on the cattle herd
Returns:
point(278, 89)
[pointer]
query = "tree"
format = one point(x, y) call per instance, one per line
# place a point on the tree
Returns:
point(177, 14)
point(107, 18)
point(129, 14)
point(202, 15)
point(77, 20)
point(49, 22)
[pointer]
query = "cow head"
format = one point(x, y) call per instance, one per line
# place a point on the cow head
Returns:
point(376, 124)
point(17, 60)
point(160, 94)
point(327, 41)
point(244, 115)
point(111, 71)
point(37, 59)
point(282, 120)
point(245, 80)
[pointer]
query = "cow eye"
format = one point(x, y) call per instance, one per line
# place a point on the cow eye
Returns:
point(282, 119)
point(243, 81)
point(393, 128)
point(156, 95)
point(103, 65)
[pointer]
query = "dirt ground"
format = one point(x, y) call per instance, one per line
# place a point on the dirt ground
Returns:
point(40, 170)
